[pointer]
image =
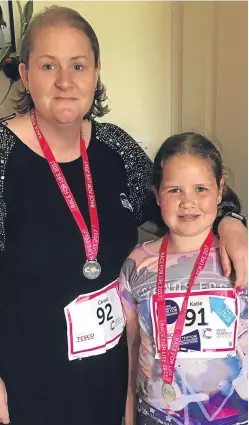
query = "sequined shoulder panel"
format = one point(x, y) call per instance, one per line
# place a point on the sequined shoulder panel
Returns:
point(137, 164)
point(7, 141)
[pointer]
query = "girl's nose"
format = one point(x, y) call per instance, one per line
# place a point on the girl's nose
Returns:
point(188, 201)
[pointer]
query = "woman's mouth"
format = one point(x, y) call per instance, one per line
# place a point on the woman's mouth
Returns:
point(65, 98)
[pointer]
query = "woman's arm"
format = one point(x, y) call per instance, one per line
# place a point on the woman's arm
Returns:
point(231, 231)
point(233, 243)
point(233, 236)
point(234, 249)
point(133, 340)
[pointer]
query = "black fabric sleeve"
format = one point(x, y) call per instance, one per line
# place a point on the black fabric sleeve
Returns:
point(138, 168)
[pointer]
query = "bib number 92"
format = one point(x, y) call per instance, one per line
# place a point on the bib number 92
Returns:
point(104, 313)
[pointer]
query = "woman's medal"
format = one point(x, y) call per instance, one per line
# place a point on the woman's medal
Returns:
point(91, 269)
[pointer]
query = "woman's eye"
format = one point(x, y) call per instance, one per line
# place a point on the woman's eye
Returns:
point(78, 67)
point(201, 189)
point(48, 66)
point(175, 190)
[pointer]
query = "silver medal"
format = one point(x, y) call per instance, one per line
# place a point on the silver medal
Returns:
point(91, 269)
point(168, 392)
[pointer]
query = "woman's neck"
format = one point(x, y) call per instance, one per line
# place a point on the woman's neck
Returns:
point(64, 139)
point(179, 243)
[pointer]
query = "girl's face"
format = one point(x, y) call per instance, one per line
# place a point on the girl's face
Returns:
point(189, 195)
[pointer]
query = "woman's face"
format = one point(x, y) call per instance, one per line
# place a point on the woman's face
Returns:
point(61, 76)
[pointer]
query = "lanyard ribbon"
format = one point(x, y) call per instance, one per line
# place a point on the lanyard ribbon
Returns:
point(91, 244)
point(168, 356)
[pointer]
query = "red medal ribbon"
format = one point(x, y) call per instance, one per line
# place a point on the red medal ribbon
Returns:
point(168, 356)
point(91, 244)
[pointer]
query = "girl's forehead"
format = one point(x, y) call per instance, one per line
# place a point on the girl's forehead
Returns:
point(187, 166)
point(188, 159)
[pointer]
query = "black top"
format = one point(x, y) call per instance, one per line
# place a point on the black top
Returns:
point(41, 273)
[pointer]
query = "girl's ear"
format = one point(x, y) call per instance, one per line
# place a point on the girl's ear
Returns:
point(222, 183)
point(157, 196)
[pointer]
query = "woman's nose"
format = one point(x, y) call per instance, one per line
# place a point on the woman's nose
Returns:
point(63, 79)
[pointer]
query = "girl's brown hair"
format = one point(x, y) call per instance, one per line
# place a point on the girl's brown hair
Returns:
point(198, 145)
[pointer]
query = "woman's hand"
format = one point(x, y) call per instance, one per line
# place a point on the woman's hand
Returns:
point(234, 249)
point(4, 411)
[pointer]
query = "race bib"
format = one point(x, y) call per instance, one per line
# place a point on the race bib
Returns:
point(210, 328)
point(95, 322)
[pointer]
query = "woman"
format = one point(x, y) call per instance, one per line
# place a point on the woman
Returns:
point(64, 358)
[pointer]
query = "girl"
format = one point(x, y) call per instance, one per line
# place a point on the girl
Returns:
point(186, 327)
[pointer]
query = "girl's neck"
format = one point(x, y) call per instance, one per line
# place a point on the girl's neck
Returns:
point(179, 244)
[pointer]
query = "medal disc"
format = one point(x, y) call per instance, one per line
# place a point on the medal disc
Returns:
point(91, 270)
point(168, 392)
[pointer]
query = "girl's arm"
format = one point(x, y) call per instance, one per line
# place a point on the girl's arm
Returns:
point(4, 412)
point(133, 340)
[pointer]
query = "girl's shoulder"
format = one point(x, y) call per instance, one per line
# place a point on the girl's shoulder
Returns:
point(140, 262)
point(149, 251)
point(152, 248)
point(145, 250)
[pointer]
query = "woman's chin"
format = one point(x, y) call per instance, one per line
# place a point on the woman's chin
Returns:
point(67, 116)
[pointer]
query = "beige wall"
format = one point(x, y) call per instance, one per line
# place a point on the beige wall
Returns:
point(211, 67)
point(174, 66)
point(231, 98)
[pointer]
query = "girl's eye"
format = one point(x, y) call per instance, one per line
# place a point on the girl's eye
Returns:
point(48, 66)
point(175, 190)
point(78, 67)
point(201, 189)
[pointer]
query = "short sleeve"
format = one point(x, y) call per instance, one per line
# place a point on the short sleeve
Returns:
point(125, 278)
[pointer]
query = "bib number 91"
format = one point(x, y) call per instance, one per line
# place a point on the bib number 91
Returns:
point(104, 313)
point(191, 317)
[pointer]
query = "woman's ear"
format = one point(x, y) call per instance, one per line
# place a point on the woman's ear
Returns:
point(222, 183)
point(98, 68)
point(24, 75)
